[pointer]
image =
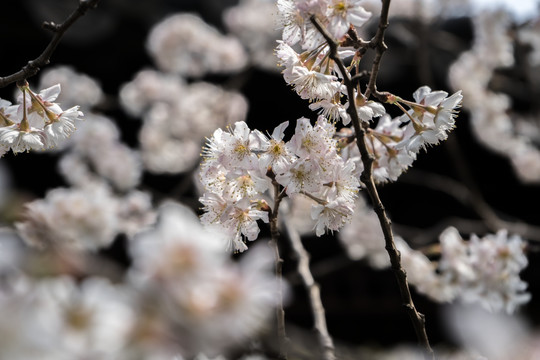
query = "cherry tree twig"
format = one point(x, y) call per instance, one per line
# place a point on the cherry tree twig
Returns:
point(33, 66)
point(313, 290)
point(366, 177)
point(465, 194)
point(274, 233)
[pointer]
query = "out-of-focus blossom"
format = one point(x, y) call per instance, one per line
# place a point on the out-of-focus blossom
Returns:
point(213, 303)
point(254, 23)
point(492, 120)
point(81, 219)
point(58, 319)
point(77, 89)
point(97, 153)
point(186, 45)
point(177, 117)
point(362, 238)
point(483, 271)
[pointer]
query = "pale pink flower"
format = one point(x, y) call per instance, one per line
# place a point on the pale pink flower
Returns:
point(332, 215)
point(342, 14)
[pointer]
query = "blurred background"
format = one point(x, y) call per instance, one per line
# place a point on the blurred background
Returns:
point(464, 182)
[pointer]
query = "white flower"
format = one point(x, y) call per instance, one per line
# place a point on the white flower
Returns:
point(303, 176)
point(313, 141)
point(241, 218)
point(295, 19)
point(369, 110)
point(333, 215)
point(238, 148)
point(344, 13)
point(21, 141)
point(430, 120)
point(275, 152)
point(313, 85)
point(344, 180)
point(61, 128)
point(332, 110)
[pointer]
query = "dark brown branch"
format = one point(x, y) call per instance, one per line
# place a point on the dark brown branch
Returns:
point(380, 47)
point(33, 66)
point(417, 318)
point(274, 232)
point(464, 194)
point(313, 290)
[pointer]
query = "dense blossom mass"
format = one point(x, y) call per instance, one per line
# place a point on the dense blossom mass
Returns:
point(240, 166)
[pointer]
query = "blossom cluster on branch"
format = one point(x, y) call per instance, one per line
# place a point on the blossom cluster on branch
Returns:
point(241, 165)
point(36, 122)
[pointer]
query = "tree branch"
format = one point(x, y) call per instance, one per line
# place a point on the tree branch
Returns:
point(417, 318)
point(313, 290)
point(33, 66)
point(377, 42)
point(274, 232)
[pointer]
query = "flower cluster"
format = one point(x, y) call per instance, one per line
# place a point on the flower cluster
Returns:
point(482, 270)
point(314, 75)
point(241, 165)
point(36, 122)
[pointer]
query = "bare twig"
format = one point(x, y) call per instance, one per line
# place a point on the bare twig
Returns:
point(274, 232)
point(317, 308)
point(33, 66)
point(377, 42)
point(491, 220)
point(417, 318)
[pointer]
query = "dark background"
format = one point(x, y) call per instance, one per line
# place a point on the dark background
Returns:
point(362, 305)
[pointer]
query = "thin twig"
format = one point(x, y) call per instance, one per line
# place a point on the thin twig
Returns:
point(417, 318)
point(377, 42)
point(317, 308)
point(274, 232)
point(33, 66)
point(492, 221)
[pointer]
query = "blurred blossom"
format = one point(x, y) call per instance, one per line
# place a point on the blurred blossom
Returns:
point(497, 336)
point(530, 34)
point(11, 251)
point(482, 271)
point(407, 352)
point(93, 317)
point(212, 302)
point(492, 119)
point(362, 238)
point(254, 22)
point(177, 117)
point(186, 45)
point(298, 211)
point(58, 319)
point(5, 184)
point(77, 89)
point(135, 212)
point(82, 219)
point(97, 153)
point(149, 87)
